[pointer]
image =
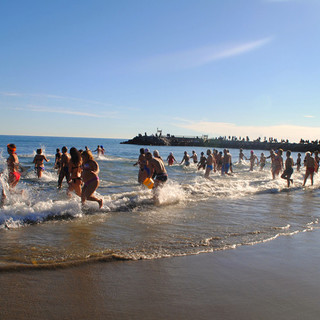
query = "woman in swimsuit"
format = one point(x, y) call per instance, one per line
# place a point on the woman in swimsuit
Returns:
point(38, 162)
point(75, 181)
point(13, 168)
point(90, 170)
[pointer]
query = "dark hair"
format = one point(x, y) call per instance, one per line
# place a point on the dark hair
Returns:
point(39, 151)
point(57, 150)
point(142, 150)
point(64, 149)
point(75, 156)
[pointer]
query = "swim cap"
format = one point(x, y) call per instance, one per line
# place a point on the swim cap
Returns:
point(12, 147)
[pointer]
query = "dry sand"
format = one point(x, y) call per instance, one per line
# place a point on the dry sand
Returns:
point(274, 280)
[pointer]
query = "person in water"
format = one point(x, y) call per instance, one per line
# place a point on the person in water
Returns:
point(98, 150)
point(310, 168)
point(157, 170)
point(38, 160)
point(75, 170)
point(64, 167)
point(90, 170)
point(186, 159)
point(143, 169)
point(13, 168)
point(241, 155)
point(202, 162)
point(194, 157)
point(171, 159)
point(252, 159)
point(263, 159)
point(226, 162)
point(298, 164)
point(57, 160)
point(209, 163)
point(288, 171)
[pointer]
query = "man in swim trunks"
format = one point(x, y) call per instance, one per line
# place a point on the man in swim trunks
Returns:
point(186, 159)
point(157, 169)
point(226, 162)
point(310, 168)
point(64, 167)
point(194, 157)
point(13, 168)
point(209, 163)
point(288, 171)
point(202, 162)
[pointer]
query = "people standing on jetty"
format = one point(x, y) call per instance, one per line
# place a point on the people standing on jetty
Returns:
point(186, 159)
point(252, 159)
point(171, 159)
point(57, 160)
point(90, 170)
point(13, 169)
point(202, 162)
point(310, 168)
point(75, 170)
point(298, 164)
point(64, 167)
point(288, 171)
point(194, 157)
point(143, 168)
point(226, 162)
point(263, 160)
point(38, 160)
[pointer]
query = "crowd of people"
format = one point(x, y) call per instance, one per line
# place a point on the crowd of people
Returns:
point(78, 168)
point(222, 162)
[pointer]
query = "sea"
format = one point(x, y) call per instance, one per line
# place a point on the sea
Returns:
point(41, 227)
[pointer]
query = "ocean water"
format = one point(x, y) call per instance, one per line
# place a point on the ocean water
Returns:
point(44, 228)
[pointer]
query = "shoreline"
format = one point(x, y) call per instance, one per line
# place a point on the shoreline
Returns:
point(273, 280)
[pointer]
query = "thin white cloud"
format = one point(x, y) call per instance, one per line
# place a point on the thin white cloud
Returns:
point(309, 116)
point(214, 129)
point(33, 108)
point(200, 56)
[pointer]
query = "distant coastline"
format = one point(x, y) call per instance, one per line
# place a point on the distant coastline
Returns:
point(223, 142)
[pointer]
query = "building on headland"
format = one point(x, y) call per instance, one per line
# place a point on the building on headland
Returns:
point(230, 142)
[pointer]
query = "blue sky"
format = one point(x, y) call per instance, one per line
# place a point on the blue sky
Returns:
point(117, 68)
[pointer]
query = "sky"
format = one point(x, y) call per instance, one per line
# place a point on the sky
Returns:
point(117, 68)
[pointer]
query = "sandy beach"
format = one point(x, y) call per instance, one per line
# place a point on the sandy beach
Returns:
point(275, 280)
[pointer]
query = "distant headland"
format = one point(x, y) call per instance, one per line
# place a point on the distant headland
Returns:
point(233, 142)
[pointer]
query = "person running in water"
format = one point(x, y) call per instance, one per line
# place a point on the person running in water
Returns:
point(310, 168)
point(13, 168)
point(38, 160)
point(288, 171)
point(64, 167)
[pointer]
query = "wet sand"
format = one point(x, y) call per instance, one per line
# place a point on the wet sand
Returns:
point(274, 280)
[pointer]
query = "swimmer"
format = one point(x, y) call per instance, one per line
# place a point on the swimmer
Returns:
point(57, 160)
point(13, 168)
point(202, 162)
point(90, 170)
point(226, 161)
point(157, 155)
point(241, 155)
point(75, 170)
point(252, 159)
point(98, 150)
point(171, 159)
point(263, 159)
point(194, 157)
point(186, 159)
point(209, 162)
point(143, 169)
point(288, 171)
point(64, 167)
point(38, 162)
point(158, 171)
point(298, 164)
point(310, 167)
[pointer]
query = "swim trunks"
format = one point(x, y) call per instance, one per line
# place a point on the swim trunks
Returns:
point(163, 177)
point(210, 166)
point(15, 175)
point(310, 170)
point(225, 168)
